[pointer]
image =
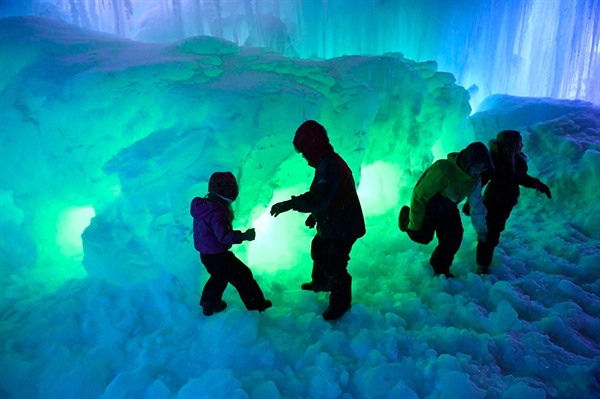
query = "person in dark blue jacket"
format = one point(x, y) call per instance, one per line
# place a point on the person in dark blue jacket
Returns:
point(333, 206)
point(502, 192)
point(213, 238)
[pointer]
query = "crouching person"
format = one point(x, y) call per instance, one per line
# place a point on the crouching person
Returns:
point(213, 238)
point(435, 199)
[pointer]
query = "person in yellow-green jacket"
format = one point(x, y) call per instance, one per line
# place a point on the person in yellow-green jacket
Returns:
point(434, 204)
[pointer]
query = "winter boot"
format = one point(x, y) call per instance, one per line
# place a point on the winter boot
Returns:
point(209, 310)
point(266, 305)
point(263, 306)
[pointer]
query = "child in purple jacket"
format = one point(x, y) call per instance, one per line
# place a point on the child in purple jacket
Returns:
point(213, 238)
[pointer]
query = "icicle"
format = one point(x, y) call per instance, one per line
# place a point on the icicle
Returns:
point(324, 29)
point(198, 18)
point(592, 86)
point(250, 21)
point(94, 19)
point(118, 19)
point(128, 4)
point(213, 9)
point(74, 12)
point(83, 14)
point(177, 18)
point(525, 47)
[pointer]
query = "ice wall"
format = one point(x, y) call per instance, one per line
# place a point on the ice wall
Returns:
point(534, 48)
point(128, 132)
point(124, 132)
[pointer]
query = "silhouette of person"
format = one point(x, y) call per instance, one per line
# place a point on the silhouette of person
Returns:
point(334, 207)
point(213, 238)
point(502, 192)
point(435, 199)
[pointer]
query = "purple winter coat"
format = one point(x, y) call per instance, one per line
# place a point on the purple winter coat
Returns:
point(213, 233)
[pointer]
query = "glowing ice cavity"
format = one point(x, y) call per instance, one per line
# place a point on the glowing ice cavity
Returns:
point(379, 188)
point(280, 241)
point(70, 224)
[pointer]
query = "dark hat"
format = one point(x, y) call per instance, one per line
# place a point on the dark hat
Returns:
point(224, 185)
point(509, 138)
point(312, 141)
point(476, 154)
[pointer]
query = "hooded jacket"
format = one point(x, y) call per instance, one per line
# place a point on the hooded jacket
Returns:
point(448, 177)
point(332, 199)
point(213, 232)
point(503, 187)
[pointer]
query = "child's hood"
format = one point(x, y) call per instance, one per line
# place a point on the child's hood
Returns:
point(202, 207)
point(453, 159)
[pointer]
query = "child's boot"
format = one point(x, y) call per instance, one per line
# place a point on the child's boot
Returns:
point(263, 306)
point(211, 309)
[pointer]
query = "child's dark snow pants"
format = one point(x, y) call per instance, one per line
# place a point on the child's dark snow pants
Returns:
point(225, 268)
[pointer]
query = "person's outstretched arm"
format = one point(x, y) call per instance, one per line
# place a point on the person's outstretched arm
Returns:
point(533, 182)
point(320, 195)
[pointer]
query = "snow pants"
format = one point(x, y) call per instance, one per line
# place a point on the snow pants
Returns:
point(497, 216)
point(330, 261)
point(442, 218)
point(225, 268)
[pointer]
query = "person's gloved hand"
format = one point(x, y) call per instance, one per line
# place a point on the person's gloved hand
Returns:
point(481, 237)
point(249, 235)
point(310, 221)
point(544, 189)
point(281, 207)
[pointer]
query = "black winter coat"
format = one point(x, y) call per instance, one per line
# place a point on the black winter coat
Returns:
point(503, 187)
point(332, 200)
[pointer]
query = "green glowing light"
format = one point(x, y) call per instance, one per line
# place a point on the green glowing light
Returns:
point(379, 187)
point(280, 242)
point(69, 226)
point(438, 150)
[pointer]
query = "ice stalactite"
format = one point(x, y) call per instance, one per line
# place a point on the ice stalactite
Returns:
point(250, 20)
point(84, 19)
point(79, 13)
point(591, 47)
point(118, 19)
point(213, 13)
point(94, 17)
point(198, 15)
point(177, 15)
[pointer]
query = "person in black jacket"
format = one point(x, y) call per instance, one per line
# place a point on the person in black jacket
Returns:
point(334, 207)
point(502, 191)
